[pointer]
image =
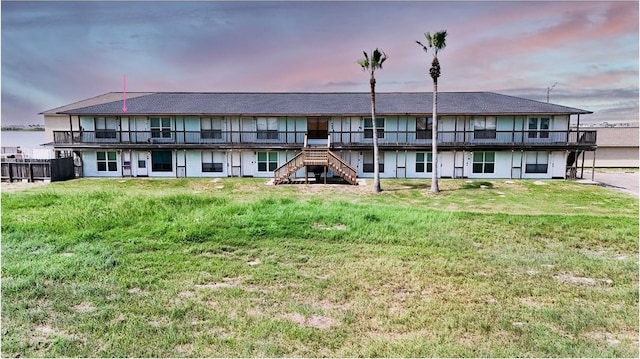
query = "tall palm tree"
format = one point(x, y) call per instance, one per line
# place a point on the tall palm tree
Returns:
point(437, 42)
point(370, 64)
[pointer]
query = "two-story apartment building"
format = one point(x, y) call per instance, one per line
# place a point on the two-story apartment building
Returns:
point(480, 135)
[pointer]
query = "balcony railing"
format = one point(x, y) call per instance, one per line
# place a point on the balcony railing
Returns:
point(337, 138)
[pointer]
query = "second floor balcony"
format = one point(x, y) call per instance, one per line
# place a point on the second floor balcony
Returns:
point(344, 139)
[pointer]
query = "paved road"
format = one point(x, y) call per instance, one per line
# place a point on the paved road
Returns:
point(624, 181)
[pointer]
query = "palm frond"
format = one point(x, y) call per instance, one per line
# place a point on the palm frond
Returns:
point(439, 40)
point(423, 47)
point(377, 58)
point(364, 63)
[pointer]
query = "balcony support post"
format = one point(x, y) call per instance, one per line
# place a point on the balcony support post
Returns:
point(593, 166)
point(71, 127)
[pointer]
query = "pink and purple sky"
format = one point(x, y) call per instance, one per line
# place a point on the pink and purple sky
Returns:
point(56, 53)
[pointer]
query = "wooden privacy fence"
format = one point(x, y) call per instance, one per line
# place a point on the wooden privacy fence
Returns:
point(59, 169)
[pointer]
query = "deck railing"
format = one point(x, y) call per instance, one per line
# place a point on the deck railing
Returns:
point(336, 138)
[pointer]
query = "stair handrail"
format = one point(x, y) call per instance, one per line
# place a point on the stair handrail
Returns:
point(297, 159)
point(350, 171)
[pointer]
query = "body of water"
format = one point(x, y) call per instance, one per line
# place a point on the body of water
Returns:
point(27, 140)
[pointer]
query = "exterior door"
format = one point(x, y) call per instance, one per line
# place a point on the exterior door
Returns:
point(249, 166)
point(317, 130)
point(143, 164)
point(446, 164)
point(236, 164)
point(558, 164)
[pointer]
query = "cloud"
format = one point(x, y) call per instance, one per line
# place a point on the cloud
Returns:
point(57, 53)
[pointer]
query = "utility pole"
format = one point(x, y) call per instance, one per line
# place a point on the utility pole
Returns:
point(549, 90)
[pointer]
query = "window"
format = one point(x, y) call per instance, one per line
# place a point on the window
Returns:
point(211, 128)
point(424, 126)
point(368, 127)
point(368, 165)
point(537, 162)
point(212, 161)
point(161, 161)
point(424, 162)
point(107, 161)
point(160, 127)
point(267, 128)
point(539, 127)
point(105, 127)
point(267, 161)
point(484, 127)
point(483, 162)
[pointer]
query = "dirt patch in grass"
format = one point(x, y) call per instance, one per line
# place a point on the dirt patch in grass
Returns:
point(314, 321)
point(226, 283)
point(84, 307)
point(254, 262)
point(606, 337)
point(332, 188)
point(20, 186)
point(584, 281)
point(339, 226)
point(186, 294)
point(530, 303)
point(159, 323)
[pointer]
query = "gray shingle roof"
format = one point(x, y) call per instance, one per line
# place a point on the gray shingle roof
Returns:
point(348, 103)
point(100, 99)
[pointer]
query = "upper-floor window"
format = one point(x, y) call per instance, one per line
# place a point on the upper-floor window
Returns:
point(267, 128)
point(484, 127)
point(160, 127)
point(539, 127)
point(368, 127)
point(424, 126)
point(211, 127)
point(105, 127)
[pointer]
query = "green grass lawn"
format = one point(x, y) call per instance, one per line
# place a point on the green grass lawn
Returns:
point(234, 267)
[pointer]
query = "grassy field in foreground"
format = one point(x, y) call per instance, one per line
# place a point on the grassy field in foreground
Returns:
point(234, 267)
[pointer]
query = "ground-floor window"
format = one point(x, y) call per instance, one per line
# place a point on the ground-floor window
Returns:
point(267, 161)
point(537, 162)
point(107, 161)
point(161, 161)
point(424, 162)
point(484, 162)
point(212, 161)
point(367, 162)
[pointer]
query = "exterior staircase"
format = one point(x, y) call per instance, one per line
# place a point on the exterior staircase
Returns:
point(315, 156)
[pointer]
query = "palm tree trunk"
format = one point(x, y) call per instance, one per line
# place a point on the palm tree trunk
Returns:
point(376, 160)
point(434, 141)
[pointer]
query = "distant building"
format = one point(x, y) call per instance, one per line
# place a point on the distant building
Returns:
point(618, 147)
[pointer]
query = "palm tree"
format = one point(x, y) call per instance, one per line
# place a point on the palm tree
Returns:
point(436, 42)
point(370, 64)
